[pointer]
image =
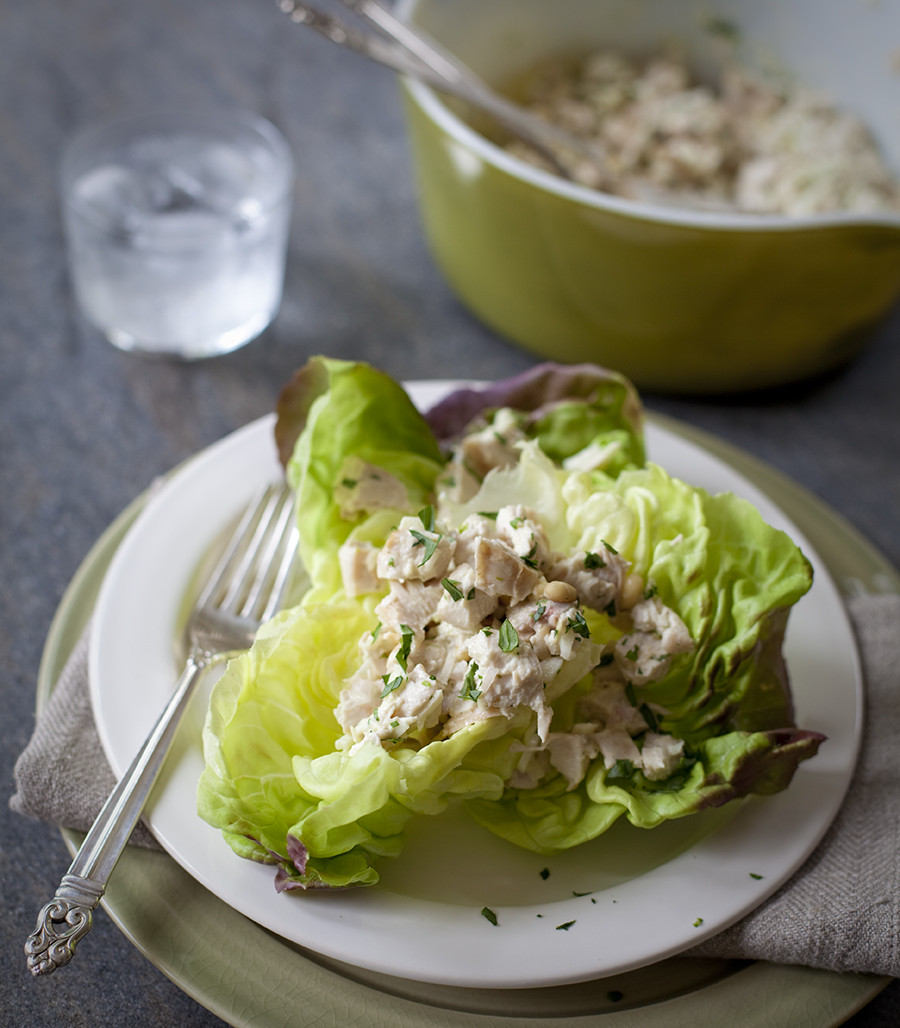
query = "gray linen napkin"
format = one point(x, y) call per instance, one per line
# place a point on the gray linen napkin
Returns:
point(840, 912)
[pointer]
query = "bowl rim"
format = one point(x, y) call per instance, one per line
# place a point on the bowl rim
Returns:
point(434, 108)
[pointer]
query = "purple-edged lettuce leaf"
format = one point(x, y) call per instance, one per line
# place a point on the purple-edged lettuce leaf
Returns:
point(567, 407)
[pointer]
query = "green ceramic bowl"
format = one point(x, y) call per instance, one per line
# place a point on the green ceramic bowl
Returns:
point(680, 301)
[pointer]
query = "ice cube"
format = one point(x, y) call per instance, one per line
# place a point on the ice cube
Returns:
point(183, 230)
point(113, 193)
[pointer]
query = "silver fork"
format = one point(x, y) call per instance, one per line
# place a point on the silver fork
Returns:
point(245, 588)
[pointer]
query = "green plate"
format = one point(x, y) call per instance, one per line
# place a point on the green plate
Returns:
point(247, 976)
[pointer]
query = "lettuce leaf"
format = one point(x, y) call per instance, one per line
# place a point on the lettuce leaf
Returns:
point(332, 410)
point(284, 794)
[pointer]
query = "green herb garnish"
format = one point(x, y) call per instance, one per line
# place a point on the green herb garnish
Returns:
point(578, 625)
point(390, 684)
point(406, 638)
point(426, 541)
point(509, 637)
point(620, 770)
point(648, 715)
point(469, 689)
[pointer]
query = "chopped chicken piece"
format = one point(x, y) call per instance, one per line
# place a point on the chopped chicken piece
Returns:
point(364, 487)
point(408, 603)
point(660, 755)
point(553, 629)
point(412, 552)
point(615, 745)
point(571, 754)
point(462, 603)
point(644, 655)
point(518, 527)
point(608, 704)
point(500, 572)
point(598, 577)
point(474, 528)
point(358, 699)
point(492, 446)
point(404, 705)
point(357, 562)
point(533, 766)
point(509, 680)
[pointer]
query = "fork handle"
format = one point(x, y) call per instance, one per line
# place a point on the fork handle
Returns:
point(68, 916)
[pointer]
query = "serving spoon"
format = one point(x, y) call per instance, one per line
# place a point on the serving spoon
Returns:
point(410, 51)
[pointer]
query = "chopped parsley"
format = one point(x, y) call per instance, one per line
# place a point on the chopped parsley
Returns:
point(470, 691)
point(452, 588)
point(489, 915)
point(509, 637)
point(611, 549)
point(755, 876)
point(578, 625)
point(545, 873)
point(651, 719)
point(530, 557)
point(375, 631)
point(406, 638)
point(539, 611)
point(697, 923)
point(390, 684)
point(426, 516)
point(620, 770)
point(565, 926)
point(632, 654)
point(426, 541)
point(593, 560)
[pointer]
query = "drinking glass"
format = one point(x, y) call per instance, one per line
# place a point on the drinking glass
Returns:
point(177, 227)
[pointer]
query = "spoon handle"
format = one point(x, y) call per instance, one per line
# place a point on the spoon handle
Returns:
point(410, 52)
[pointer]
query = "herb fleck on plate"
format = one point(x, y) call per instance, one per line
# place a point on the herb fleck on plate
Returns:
point(489, 915)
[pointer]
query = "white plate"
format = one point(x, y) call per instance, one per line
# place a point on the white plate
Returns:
point(633, 897)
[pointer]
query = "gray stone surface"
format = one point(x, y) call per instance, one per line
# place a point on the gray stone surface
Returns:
point(84, 429)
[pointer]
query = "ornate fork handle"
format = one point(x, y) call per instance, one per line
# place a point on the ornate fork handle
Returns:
point(67, 918)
